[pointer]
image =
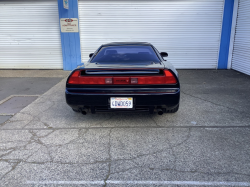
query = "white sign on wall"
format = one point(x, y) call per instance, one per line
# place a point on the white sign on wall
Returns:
point(66, 4)
point(69, 24)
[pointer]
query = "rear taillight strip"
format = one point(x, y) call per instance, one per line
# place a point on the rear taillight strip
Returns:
point(77, 78)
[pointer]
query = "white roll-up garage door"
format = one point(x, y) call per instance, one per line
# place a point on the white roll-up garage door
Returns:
point(189, 31)
point(30, 35)
point(241, 51)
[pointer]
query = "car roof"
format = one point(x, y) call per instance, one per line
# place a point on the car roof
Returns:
point(126, 43)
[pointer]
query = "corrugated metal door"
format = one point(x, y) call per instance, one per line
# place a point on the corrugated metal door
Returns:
point(30, 35)
point(241, 51)
point(188, 30)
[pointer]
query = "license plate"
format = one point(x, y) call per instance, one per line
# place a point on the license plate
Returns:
point(121, 102)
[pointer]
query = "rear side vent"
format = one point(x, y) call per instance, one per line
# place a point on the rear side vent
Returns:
point(82, 78)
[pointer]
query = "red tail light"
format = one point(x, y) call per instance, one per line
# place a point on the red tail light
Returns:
point(74, 77)
point(121, 80)
point(170, 78)
point(77, 78)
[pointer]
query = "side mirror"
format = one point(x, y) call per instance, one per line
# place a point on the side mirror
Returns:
point(164, 54)
point(91, 54)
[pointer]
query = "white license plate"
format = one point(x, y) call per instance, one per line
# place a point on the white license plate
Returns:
point(121, 102)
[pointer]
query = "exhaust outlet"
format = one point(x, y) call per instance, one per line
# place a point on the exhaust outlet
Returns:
point(84, 112)
point(160, 112)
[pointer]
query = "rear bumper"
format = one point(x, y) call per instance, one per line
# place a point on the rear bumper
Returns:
point(142, 100)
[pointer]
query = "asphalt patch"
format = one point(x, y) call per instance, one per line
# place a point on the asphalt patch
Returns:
point(4, 119)
point(16, 104)
point(26, 85)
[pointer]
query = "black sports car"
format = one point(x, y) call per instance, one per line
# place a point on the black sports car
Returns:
point(124, 77)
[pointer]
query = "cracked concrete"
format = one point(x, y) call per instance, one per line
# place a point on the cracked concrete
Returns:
point(206, 140)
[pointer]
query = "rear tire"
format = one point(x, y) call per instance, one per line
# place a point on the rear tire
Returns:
point(175, 109)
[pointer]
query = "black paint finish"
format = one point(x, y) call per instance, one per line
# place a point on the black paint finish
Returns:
point(146, 97)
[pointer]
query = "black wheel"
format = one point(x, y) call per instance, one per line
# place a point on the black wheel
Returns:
point(75, 110)
point(175, 109)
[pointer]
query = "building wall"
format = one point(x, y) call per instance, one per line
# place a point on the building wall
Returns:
point(71, 41)
point(71, 46)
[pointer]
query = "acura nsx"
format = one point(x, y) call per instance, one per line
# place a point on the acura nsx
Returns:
point(124, 77)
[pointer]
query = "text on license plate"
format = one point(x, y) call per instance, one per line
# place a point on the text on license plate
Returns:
point(121, 102)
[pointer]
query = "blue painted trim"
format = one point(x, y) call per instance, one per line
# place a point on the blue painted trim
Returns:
point(226, 34)
point(70, 42)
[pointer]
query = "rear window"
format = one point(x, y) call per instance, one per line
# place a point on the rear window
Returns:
point(126, 54)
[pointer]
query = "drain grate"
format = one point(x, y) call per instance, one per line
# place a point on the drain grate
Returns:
point(16, 104)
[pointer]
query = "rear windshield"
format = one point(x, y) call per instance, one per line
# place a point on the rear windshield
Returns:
point(126, 54)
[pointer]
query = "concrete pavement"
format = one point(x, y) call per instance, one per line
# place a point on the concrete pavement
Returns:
point(19, 88)
point(206, 143)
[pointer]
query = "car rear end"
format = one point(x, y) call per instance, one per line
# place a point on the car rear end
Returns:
point(117, 89)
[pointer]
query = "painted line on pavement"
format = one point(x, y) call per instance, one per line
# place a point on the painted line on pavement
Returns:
point(196, 183)
point(12, 114)
point(65, 182)
point(128, 127)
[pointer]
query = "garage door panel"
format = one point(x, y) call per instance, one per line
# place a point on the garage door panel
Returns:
point(241, 55)
point(30, 37)
point(188, 30)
